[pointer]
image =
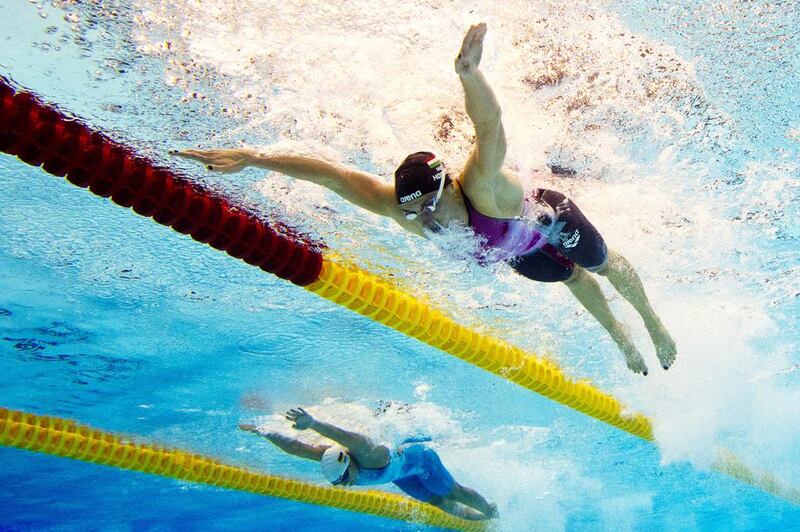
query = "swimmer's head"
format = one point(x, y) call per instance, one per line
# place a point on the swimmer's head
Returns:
point(337, 466)
point(420, 174)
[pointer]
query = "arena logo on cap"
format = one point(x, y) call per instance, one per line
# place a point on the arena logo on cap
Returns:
point(412, 196)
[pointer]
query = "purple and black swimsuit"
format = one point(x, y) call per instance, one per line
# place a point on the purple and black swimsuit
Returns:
point(545, 242)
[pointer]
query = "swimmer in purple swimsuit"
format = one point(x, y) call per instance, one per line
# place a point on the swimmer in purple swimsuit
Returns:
point(413, 467)
point(542, 235)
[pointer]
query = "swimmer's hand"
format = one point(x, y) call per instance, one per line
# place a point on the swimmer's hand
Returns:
point(469, 57)
point(225, 161)
point(249, 428)
point(300, 418)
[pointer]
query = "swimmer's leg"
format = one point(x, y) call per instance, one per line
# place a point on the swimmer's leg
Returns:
point(458, 510)
point(586, 290)
point(455, 504)
point(473, 499)
point(439, 487)
point(623, 277)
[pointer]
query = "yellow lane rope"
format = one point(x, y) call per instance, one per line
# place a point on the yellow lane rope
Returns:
point(61, 437)
point(731, 465)
point(375, 298)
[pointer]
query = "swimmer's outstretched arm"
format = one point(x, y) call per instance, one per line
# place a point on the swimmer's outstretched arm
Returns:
point(484, 179)
point(289, 445)
point(368, 453)
point(359, 188)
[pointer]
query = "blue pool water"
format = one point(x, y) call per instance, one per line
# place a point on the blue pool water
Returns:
point(683, 119)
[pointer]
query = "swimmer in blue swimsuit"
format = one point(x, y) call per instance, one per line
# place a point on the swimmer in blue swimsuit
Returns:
point(542, 234)
point(415, 468)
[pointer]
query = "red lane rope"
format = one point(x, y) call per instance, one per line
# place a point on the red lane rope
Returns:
point(40, 135)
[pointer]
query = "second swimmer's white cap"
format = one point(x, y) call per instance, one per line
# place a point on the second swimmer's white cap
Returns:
point(334, 463)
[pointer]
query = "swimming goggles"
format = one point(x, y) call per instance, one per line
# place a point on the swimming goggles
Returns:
point(344, 478)
point(430, 205)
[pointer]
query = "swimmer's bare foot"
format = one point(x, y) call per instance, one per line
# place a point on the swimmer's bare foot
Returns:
point(666, 351)
point(633, 358)
point(493, 513)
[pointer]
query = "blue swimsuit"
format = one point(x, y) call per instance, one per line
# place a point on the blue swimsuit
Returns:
point(415, 469)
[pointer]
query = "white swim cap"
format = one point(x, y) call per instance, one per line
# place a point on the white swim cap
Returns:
point(334, 463)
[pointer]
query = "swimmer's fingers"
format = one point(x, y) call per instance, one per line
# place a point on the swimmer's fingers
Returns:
point(248, 428)
point(301, 419)
point(473, 37)
point(466, 40)
point(295, 413)
point(225, 161)
point(478, 33)
point(469, 57)
point(202, 156)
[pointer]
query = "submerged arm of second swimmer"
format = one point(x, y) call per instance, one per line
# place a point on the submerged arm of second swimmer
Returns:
point(366, 452)
point(289, 445)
